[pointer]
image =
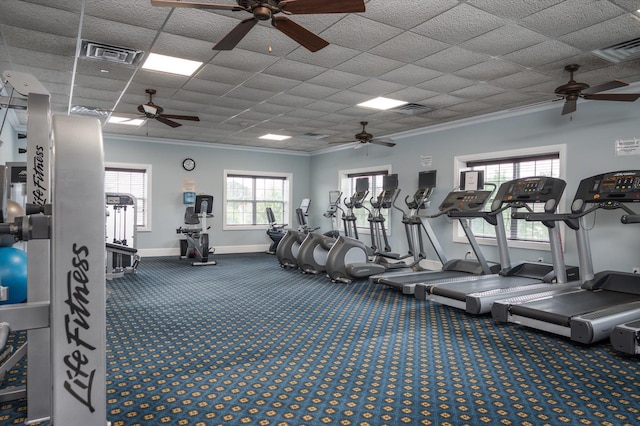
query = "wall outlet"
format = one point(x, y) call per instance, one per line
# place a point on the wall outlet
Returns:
point(636, 270)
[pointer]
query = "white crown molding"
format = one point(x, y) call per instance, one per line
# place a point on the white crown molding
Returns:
point(165, 141)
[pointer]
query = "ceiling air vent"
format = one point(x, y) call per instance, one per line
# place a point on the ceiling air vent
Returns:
point(621, 52)
point(106, 52)
point(411, 109)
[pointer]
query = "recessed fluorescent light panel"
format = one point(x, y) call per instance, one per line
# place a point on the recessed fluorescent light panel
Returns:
point(272, 137)
point(382, 103)
point(125, 120)
point(171, 64)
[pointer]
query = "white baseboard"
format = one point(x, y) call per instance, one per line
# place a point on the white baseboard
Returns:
point(175, 251)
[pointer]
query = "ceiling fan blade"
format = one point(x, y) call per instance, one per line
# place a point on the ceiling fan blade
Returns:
point(382, 142)
point(322, 6)
point(230, 41)
point(196, 5)
point(359, 145)
point(300, 34)
point(181, 117)
point(623, 97)
point(569, 106)
point(168, 122)
point(613, 84)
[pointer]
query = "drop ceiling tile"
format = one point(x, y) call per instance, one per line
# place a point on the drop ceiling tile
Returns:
point(445, 83)
point(194, 50)
point(408, 14)
point(42, 18)
point(469, 23)
point(293, 70)
point(412, 95)
point(140, 14)
point(271, 108)
point(287, 99)
point(443, 101)
point(513, 9)
point(521, 79)
point(569, 16)
point(502, 40)
point(199, 98)
point(42, 60)
point(39, 41)
point(325, 106)
point(369, 65)
point(206, 88)
point(329, 57)
point(357, 32)
point(243, 60)
point(271, 83)
point(337, 79)
point(117, 34)
point(198, 24)
point(408, 47)
point(605, 34)
point(347, 97)
point(477, 91)
point(489, 70)
point(221, 74)
point(452, 59)
point(311, 91)
point(249, 94)
point(376, 87)
point(154, 78)
point(543, 53)
point(410, 75)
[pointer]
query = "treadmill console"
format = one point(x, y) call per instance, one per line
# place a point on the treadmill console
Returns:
point(465, 201)
point(608, 190)
point(537, 189)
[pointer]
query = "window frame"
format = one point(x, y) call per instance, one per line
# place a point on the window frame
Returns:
point(288, 178)
point(460, 163)
point(343, 184)
point(149, 175)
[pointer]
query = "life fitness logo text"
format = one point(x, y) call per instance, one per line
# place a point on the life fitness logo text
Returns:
point(79, 375)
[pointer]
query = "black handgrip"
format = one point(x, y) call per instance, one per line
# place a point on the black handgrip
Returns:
point(630, 218)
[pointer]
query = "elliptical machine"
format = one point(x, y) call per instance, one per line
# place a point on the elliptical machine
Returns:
point(196, 242)
point(348, 258)
point(312, 255)
point(289, 245)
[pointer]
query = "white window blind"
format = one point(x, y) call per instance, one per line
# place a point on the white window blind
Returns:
point(131, 180)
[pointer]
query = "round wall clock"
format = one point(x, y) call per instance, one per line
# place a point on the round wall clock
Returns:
point(188, 164)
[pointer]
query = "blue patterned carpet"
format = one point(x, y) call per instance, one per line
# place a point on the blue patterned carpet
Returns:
point(246, 342)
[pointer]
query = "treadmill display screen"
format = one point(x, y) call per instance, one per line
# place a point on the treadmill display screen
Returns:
point(538, 189)
point(623, 186)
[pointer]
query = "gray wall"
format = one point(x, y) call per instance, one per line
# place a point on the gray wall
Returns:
point(167, 172)
point(9, 148)
point(589, 138)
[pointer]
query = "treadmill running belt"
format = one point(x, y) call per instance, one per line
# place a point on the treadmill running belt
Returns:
point(460, 290)
point(561, 308)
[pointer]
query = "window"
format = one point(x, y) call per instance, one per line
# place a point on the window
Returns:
point(248, 194)
point(134, 179)
point(348, 180)
point(505, 166)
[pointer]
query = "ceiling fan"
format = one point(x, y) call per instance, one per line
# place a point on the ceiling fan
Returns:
point(573, 90)
point(263, 10)
point(151, 110)
point(363, 138)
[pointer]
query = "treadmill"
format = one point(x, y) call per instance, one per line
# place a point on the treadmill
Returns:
point(604, 300)
point(626, 337)
point(465, 201)
point(476, 295)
